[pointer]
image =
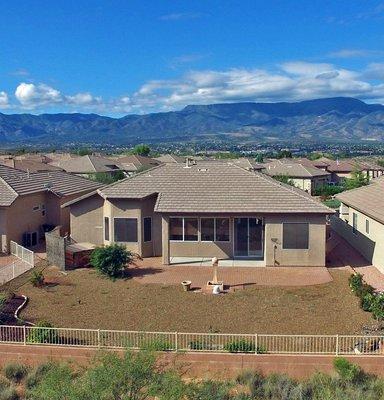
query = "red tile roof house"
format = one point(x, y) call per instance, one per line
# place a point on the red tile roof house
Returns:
point(205, 209)
point(28, 201)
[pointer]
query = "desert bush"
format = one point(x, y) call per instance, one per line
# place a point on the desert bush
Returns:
point(4, 382)
point(240, 346)
point(9, 393)
point(42, 333)
point(355, 282)
point(377, 306)
point(347, 371)
point(156, 345)
point(15, 372)
point(37, 279)
point(209, 390)
point(36, 375)
point(111, 260)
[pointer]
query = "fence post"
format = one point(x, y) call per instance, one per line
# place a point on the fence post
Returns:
point(98, 339)
point(176, 341)
point(24, 335)
point(337, 345)
point(256, 343)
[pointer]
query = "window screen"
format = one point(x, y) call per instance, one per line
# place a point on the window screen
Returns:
point(191, 229)
point(207, 229)
point(295, 235)
point(125, 229)
point(222, 229)
point(147, 229)
point(176, 228)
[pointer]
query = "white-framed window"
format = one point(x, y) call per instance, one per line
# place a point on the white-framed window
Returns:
point(295, 235)
point(184, 229)
point(207, 229)
point(125, 230)
point(354, 223)
point(106, 228)
point(147, 229)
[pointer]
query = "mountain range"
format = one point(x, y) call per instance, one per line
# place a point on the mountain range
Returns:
point(330, 119)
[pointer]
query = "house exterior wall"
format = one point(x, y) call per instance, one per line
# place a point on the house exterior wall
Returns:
point(314, 256)
point(369, 244)
point(310, 184)
point(22, 218)
point(3, 230)
point(86, 219)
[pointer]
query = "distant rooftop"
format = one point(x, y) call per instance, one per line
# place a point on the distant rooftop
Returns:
point(89, 164)
point(15, 183)
point(293, 169)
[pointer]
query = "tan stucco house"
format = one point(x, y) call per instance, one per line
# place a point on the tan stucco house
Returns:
point(205, 209)
point(302, 176)
point(31, 201)
point(361, 220)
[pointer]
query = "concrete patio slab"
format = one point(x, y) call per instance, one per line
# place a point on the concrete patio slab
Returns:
point(207, 262)
point(151, 271)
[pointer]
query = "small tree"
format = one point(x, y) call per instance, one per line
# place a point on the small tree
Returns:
point(284, 179)
point(141, 149)
point(111, 260)
point(357, 180)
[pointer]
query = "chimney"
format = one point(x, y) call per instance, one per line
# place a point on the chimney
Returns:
point(187, 163)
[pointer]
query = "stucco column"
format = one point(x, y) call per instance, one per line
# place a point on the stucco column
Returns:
point(165, 239)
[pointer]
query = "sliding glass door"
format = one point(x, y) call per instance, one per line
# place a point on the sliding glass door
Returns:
point(249, 237)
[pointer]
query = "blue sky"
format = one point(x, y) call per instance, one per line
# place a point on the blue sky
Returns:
point(117, 57)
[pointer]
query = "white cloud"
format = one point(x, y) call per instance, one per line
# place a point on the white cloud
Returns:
point(355, 53)
point(181, 15)
point(290, 81)
point(31, 95)
point(4, 100)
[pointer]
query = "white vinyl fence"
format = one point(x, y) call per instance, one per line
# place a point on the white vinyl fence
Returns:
point(194, 342)
point(24, 262)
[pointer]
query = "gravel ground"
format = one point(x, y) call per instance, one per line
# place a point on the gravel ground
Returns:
point(84, 299)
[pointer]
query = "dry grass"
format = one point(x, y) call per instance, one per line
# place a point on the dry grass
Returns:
point(84, 299)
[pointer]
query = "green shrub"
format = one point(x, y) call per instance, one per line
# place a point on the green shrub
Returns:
point(37, 279)
point(355, 282)
point(240, 346)
point(377, 306)
point(4, 382)
point(366, 301)
point(9, 393)
point(42, 333)
point(111, 260)
point(346, 370)
point(15, 372)
point(35, 376)
point(157, 345)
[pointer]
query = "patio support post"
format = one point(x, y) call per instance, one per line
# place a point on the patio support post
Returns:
point(24, 335)
point(337, 345)
point(165, 239)
point(256, 343)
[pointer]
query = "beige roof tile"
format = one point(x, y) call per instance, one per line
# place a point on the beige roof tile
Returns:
point(14, 183)
point(367, 199)
point(214, 187)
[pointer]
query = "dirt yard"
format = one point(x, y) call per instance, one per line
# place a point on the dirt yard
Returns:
point(84, 299)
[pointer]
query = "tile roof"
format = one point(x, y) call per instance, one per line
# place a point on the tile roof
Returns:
point(135, 162)
point(170, 158)
point(89, 164)
point(292, 169)
point(367, 199)
point(14, 183)
point(214, 187)
point(29, 165)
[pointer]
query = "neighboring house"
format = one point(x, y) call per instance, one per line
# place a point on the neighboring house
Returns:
point(247, 163)
point(361, 220)
point(31, 201)
point(205, 209)
point(28, 165)
point(170, 158)
point(90, 165)
point(136, 163)
point(303, 177)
